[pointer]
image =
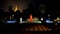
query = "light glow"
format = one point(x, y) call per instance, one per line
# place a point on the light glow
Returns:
point(20, 20)
point(15, 8)
point(31, 19)
point(57, 19)
point(48, 21)
point(42, 19)
point(11, 21)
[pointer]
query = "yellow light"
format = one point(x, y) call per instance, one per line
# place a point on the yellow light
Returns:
point(57, 19)
point(15, 8)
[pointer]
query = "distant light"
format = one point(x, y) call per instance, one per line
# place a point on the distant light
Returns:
point(35, 19)
point(20, 20)
point(11, 21)
point(42, 19)
point(48, 21)
point(37, 22)
point(55, 20)
point(58, 21)
point(31, 18)
point(16, 8)
point(12, 15)
point(49, 15)
point(58, 18)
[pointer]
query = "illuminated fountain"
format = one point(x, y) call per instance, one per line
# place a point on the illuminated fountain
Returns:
point(33, 20)
point(30, 19)
point(36, 20)
point(11, 20)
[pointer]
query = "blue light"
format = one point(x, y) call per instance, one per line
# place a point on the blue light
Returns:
point(48, 21)
point(11, 21)
point(58, 21)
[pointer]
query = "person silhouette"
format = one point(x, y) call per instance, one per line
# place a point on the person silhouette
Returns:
point(10, 10)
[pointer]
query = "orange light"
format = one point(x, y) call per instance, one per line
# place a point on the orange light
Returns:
point(31, 19)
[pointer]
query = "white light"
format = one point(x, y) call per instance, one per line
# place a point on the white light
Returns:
point(20, 20)
point(49, 15)
point(58, 21)
point(48, 21)
point(12, 15)
point(39, 22)
point(42, 19)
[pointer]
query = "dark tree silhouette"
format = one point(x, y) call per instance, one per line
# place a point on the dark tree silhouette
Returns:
point(18, 15)
point(27, 12)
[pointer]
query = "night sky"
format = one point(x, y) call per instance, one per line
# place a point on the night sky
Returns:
point(23, 4)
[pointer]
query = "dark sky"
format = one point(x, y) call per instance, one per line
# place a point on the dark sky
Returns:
point(22, 4)
point(2, 3)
